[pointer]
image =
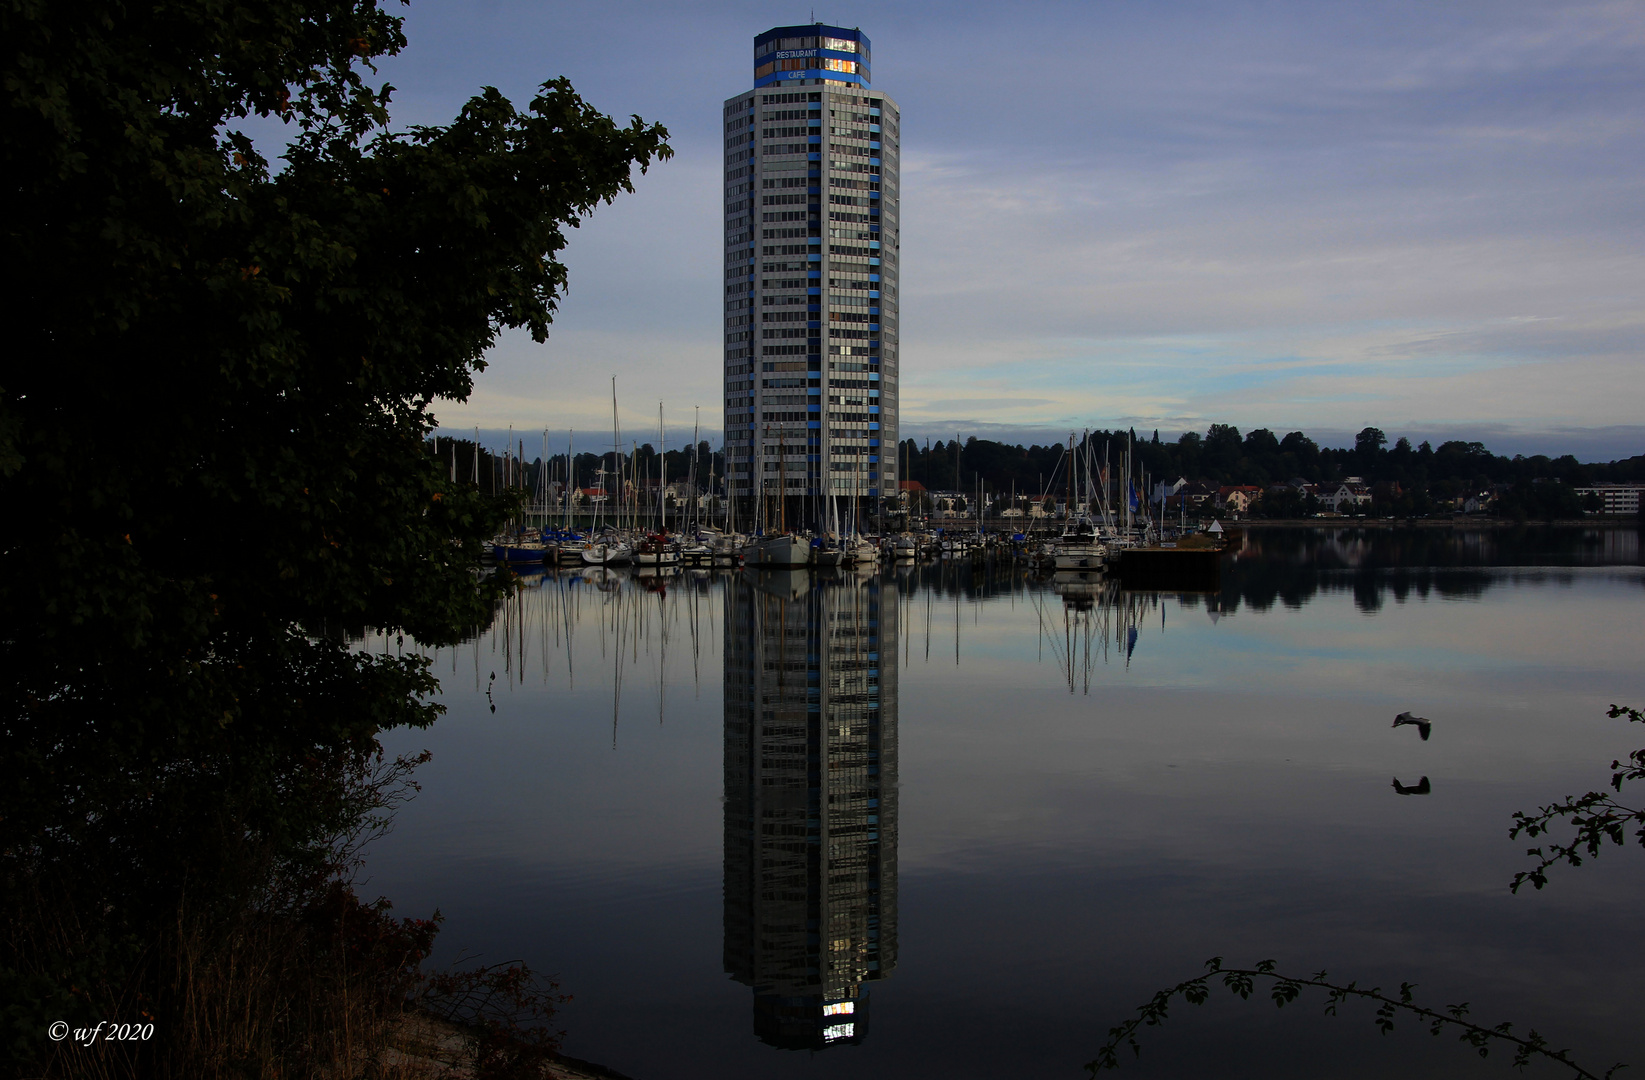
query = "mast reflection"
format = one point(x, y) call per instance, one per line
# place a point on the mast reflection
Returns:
point(810, 802)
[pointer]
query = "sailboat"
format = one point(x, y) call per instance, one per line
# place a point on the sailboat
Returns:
point(781, 549)
point(657, 549)
point(608, 549)
point(1081, 546)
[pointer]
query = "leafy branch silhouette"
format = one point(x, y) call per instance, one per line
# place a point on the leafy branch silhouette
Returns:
point(1285, 989)
point(1597, 817)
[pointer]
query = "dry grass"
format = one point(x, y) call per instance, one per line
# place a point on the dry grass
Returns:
point(317, 993)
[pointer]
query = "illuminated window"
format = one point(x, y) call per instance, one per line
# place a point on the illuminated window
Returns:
point(835, 1032)
point(839, 65)
point(839, 44)
point(840, 1008)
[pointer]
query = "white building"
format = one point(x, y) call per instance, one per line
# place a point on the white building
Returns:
point(811, 272)
point(1614, 499)
point(1350, 493)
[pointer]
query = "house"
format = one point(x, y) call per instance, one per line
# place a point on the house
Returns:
point(1164, 490)
point(1476, 503)
point(1343, 496)
point(1237, 498)
point(1190, 495)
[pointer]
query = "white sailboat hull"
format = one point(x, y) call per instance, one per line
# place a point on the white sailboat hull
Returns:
point(778, 552)
point(607, 554)
point(1080, 556)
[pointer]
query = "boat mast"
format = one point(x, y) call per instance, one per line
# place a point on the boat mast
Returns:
point(1072, 465)
point(1130, 515)
point(782, 480)
point(616, 441)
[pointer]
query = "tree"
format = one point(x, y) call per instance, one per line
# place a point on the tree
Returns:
point(1369, 453)
point(1370, 440)
point(219, 440)
point(1222, 451)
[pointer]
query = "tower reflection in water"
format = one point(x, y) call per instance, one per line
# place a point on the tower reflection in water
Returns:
point(810, 801)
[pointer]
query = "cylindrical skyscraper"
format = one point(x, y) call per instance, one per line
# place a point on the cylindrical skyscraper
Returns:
point(811, 269)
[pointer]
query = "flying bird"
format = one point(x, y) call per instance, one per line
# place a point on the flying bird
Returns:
point(1424, 725)
point(1421, 787)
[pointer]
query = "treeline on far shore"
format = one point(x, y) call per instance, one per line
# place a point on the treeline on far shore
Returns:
point(1410, 480)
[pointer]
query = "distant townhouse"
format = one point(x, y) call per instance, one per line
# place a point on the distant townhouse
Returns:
point(1164, 489)
point(1237, 498)
point(1350, 494)
point(1190, 495)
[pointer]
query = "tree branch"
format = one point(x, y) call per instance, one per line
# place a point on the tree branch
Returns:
point(1287, 988)
point(1597, 817)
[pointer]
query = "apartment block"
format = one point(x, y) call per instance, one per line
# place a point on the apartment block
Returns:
point(811, 272)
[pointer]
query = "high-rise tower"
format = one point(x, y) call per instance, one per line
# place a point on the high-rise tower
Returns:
point(811, 274)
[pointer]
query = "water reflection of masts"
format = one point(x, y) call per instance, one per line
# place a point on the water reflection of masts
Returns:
point(1100, 623)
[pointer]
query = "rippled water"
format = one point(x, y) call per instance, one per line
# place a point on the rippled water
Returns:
point(955, 821)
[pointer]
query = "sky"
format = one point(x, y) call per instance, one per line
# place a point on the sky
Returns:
point(1314, 216)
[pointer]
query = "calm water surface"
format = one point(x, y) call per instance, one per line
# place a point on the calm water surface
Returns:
point(932, 822)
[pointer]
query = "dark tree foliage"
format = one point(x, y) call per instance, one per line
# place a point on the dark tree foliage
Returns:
point(212, 443)
point(1597, 818)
